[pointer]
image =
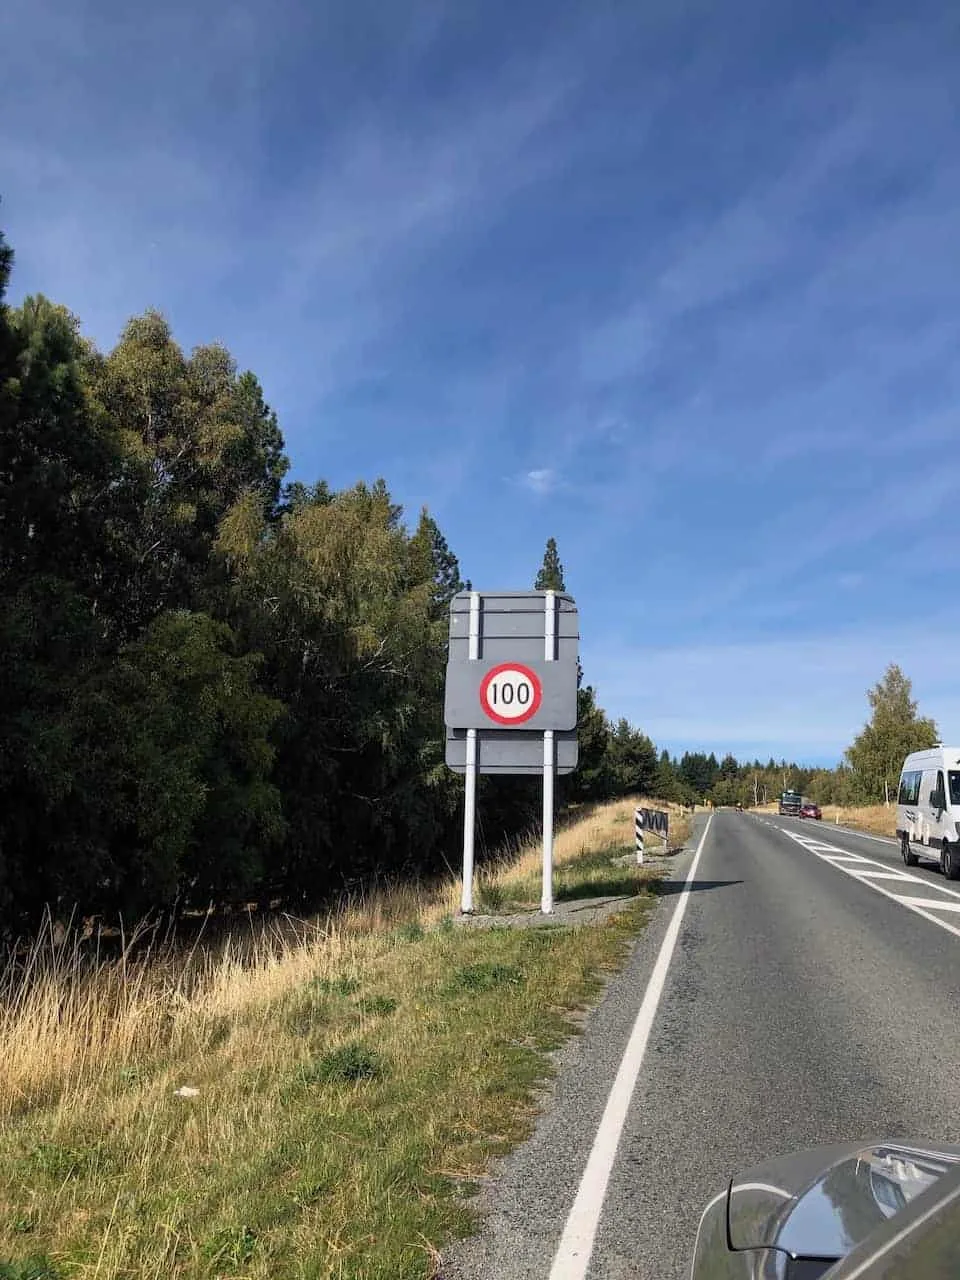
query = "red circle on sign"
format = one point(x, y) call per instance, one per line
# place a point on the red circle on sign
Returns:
point(492, 690)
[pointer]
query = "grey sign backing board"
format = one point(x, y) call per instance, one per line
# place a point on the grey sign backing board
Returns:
point(482, 695)
point(511, 702)
point(510, 751)
point(512, 627)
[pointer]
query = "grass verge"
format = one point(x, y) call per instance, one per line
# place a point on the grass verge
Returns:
point(875, 818)
point(584, 866)
point(303, 1103)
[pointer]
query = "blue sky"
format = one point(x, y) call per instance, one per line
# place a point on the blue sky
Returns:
point(676, 283)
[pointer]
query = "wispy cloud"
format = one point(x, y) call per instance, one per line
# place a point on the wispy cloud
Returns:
point(673, 287)
point(540, 480)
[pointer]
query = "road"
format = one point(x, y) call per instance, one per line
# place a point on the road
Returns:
point(802, 1004)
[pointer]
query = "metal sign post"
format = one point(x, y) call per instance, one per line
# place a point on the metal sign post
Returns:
point(510, 703)
point(549, 654)
point(470, 793)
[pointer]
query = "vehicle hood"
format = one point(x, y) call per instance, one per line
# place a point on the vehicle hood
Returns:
point(821, 1202)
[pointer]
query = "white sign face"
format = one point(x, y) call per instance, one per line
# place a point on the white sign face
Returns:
point(511, 693)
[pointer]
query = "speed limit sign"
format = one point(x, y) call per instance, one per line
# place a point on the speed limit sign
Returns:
point(511, 693)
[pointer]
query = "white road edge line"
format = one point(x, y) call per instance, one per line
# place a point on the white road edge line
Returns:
point(576, 1243)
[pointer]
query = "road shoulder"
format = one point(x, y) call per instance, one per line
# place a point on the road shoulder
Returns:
point(525, 1203)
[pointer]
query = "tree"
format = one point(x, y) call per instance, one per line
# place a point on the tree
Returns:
point(435, 563)
point(550, 577)
point(727, 791)
point(729, 768)
point(832, 786)
point(212, 686)
point(699, 771)
point(893, 731)
point(8, 347)
point(58, 459)
point(349, 613)
point(198, 439)
point(667, 784)
point(632, 761)
point(173, 772)
point(209, 687)
point(589, 781)
point(60, 465)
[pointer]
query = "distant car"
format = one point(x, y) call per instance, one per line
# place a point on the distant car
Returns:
point(810, 811)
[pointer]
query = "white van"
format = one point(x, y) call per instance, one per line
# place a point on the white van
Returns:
point(928, 808)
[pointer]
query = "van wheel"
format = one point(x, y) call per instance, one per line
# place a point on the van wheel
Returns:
point(909, 857)
point(951, 863)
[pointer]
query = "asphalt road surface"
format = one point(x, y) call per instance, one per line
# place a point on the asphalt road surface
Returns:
point(812, 995)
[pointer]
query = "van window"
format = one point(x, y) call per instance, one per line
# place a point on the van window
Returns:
point(939, 792)
point(910, 788)
point(954, 779)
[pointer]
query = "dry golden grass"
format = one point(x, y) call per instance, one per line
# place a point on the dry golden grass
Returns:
point(875, 818)
point(516, 881)
point(345, 1080)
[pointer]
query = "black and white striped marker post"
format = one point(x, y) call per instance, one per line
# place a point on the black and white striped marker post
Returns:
point(638, 827)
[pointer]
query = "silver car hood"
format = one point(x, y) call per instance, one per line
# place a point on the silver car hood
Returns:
point(815, 1204)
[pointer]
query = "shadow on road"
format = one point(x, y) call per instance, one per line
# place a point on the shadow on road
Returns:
point(666, 887)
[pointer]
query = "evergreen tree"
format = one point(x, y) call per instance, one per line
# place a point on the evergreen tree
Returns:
point(698, 771)
point(667, 784)
point(632, 761)
point(550, 577)
point(590, 780)
point(191, 667)
point(58, 460)
point(212, 687)
point(729, 768)
point(436, 563)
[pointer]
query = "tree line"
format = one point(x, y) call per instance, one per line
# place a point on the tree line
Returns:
point(868, 774)
point(220, 686)
point(216, 685)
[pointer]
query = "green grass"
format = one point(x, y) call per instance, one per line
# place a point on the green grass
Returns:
point(30, 1269)
point(592, 875)
point(491, 897)
point(351, 1093)
point(484, 977)
point(335, 986)
point(348, 1063)
point(378, 1006)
